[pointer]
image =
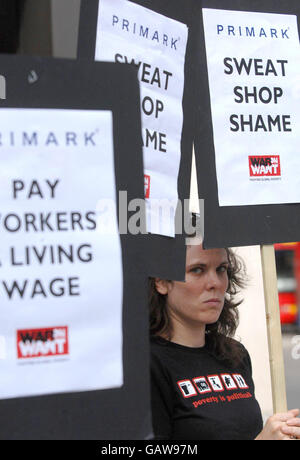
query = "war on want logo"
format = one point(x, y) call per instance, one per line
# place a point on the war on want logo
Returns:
point(36, 343)
point(147, 181)
point(265, 166)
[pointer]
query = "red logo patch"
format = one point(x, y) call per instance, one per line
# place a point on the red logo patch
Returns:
point(147, 181)
point(34, 343)
point(265, 166)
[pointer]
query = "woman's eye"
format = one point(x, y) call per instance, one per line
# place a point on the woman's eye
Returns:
point(222, 269)
point(197, 270)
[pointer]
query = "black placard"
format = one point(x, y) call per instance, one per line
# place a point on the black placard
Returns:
point(167, 255)
point(239, 225)
point(124, 413)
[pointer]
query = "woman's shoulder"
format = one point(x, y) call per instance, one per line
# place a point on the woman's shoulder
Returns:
point(158, 345)
point(238, 344)
point(166, 353)
point(230, 351)
point(162, 357)
point(245, 356)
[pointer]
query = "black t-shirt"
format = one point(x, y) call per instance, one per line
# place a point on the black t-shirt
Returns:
point(195, 396)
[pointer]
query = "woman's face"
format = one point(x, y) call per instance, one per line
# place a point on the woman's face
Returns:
point(199, 300)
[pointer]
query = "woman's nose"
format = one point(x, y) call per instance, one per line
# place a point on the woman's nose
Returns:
point(213, 280)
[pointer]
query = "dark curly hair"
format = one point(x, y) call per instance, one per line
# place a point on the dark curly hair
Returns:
point(219, 336)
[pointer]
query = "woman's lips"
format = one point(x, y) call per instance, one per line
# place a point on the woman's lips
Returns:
point(213, 301)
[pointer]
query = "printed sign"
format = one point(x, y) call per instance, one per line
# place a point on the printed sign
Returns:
point(253, 66)
point(61, 281)
point(130, 33)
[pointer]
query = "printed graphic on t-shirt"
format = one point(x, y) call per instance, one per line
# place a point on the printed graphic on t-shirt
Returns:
point(215, 382)
point(202, 385)
point(187, 389)
point(216, 389)
point(229, 382)
point(240, 381)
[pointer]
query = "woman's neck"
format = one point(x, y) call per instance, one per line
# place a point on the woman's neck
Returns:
point(191, 336)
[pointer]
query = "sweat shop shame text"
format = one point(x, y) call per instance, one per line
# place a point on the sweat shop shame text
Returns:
point(263, 95)
point(159, 79)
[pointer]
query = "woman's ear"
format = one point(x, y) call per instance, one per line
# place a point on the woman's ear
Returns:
point(161, 286)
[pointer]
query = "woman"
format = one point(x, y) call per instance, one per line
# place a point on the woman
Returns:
point(202, 387)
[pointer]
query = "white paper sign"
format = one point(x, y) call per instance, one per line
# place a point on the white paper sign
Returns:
point(61, 285)
point(254, 69)
point(129, 33)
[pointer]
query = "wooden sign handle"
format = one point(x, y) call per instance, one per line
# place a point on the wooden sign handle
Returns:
point(274, 329)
